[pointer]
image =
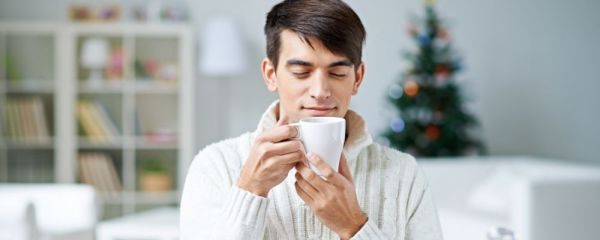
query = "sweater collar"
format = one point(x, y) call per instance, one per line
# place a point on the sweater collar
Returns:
point(357, 135)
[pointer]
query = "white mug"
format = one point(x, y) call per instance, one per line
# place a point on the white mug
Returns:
point(323, 136)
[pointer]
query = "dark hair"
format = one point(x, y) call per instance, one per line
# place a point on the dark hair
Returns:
point(332, 22)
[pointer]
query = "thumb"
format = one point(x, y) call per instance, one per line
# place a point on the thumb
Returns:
point(344, 169)
point(283, 120)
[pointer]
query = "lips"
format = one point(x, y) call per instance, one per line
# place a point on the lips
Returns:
point(318, 110)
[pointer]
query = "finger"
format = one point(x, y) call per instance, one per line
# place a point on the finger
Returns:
point(330, 175)
point(303, 195)
point(289, 159)
point(310, 190)
point(310, 176)
point(278, 134)
point(344, 169)
point(283, 120)
point(321, 165)
point(281, 148)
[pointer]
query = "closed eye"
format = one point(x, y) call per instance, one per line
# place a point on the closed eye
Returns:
point(337, 75)
point(300, 74)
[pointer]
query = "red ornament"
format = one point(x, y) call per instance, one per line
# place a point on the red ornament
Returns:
point(432, 132)
point(411, 29)
point(442, 69)
point(443, 34)
point(441, 76)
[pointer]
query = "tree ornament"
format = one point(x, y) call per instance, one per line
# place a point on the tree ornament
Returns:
point(432, 132)
point(430, 119)
point(397, 125)
point(395, 91)
point(411, 88)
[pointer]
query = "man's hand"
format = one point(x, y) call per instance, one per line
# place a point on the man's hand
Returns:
point(333, 199)
point(272, 156)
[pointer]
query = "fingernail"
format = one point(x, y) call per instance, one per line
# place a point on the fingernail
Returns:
point(310, 155)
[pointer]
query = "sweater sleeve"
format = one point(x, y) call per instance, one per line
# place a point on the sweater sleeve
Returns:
point(213, 207)
point(369, 231)
point(423, 222)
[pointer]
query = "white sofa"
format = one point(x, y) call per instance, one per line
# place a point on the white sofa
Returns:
point(48, 211)
point(539, 199)
point(17, 219)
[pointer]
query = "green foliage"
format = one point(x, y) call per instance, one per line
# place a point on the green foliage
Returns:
point(432, 120)
point(154, 165)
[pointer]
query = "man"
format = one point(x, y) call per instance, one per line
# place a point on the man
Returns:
point(258, 185)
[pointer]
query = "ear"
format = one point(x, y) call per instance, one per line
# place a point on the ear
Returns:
point(359, 75)
point(269, 75)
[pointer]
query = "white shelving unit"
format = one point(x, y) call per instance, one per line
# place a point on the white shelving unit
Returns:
point(34, 50)
point(137, 105)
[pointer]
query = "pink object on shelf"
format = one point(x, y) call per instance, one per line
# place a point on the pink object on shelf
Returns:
point(162, 136)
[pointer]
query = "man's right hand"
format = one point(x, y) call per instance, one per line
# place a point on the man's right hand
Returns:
point(274, 153)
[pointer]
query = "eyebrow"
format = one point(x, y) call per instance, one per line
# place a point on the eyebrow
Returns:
point(293, 62)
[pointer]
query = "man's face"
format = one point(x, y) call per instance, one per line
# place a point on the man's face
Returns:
point(311, 81)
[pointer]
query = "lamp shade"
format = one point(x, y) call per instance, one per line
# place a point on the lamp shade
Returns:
point(94, 53)
point(222, 51)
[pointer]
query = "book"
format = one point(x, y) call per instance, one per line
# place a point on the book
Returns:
point(108, 127)
point(30, 120)
point(24, 120)
point(85, 122)
point(14, 115)
point(96, 122)
point(40, 120)
point(90, 126)
point(98, 169)
point(10, 120)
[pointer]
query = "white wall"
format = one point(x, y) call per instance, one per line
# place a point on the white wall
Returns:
point(531, 67)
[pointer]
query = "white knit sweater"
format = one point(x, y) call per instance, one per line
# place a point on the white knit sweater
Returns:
point(390, 188)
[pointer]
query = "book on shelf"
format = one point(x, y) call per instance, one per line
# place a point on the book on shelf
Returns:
point(98, 169)
point(10, 122)
point(40, 118)
point(88, 126)
point(26, 120)
point(107, 124)
point(95, 122)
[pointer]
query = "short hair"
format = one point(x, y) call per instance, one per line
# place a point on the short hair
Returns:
point(332, 22)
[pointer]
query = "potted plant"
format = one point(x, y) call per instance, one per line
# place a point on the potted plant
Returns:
point(154, 176)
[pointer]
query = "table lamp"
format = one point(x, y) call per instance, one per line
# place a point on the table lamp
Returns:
point(222, 56)
point(94, 56)
point(222, 52)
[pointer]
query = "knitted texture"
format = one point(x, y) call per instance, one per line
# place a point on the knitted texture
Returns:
point(390, 188)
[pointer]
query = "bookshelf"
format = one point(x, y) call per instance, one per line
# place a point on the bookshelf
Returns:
point(27, 104)
point(136, 120)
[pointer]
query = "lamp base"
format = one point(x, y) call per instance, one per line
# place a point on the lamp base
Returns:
point(95, 78)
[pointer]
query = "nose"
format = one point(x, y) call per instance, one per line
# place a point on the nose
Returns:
point(319, 87)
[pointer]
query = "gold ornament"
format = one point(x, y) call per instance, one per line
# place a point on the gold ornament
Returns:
point(411, 88)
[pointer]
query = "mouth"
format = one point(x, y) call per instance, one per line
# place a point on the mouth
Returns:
point(318, 110)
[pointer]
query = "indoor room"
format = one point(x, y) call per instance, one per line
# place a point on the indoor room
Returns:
point(437, 119)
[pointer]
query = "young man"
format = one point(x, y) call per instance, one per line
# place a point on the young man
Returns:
point(258, 185)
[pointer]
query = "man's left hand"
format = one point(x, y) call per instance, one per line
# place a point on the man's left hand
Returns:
point(333, 199)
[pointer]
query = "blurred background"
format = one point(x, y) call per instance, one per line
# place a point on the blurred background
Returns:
point(497, 100)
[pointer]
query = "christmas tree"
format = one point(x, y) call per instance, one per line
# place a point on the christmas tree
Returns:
point(431, 119)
